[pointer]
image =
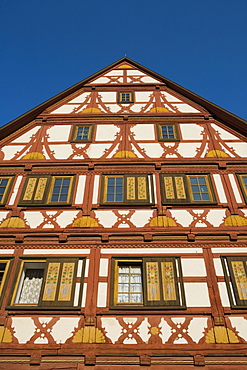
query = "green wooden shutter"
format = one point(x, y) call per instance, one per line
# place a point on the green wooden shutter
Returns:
point(238, 274)
point(137, 189)
point(163, 284)
point(59, 283)
point(35, 190)
point(174, 188)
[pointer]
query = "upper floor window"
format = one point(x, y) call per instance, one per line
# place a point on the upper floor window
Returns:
point(167, 132)
point(181, 188)
point(5, 183)
point(235, 270)
point(82, 133)
point(48, 283)
point(243, 184)
point(147, 283)
point(125, 97)
point(127, 189)
point(39, 189)
point(4, 268)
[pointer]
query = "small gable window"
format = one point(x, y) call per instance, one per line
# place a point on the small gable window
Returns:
point(167, 132)
point(82, 133)
point(126, 97)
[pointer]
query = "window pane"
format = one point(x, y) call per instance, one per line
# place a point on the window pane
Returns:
point(31, 286)
point(114, 189)
point(129, 284)
point(60, 190)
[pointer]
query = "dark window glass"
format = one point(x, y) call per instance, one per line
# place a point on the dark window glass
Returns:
point(115, 189)
point(167, 132)
point(60, 190)
point(199, 188)
point(82, 133)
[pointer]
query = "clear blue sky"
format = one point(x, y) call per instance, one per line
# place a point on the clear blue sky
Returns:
point(47, 46)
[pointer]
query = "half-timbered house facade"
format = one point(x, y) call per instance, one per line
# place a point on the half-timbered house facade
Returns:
point(123, 226)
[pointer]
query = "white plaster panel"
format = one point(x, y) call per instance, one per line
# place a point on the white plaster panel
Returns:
point(129, 340)
point(148, 79)
point(112, 327)
point(225, 135)
point(66, 218)
point(65, 109)
point(63, 328)
point(86, 267)
point(219, 187)
point(165, 330)
point(182, 216)
point(6, 251)
point(59, 251)
point(191, 131)
point(10, 151)
point(185, 108)
point(25, 138)
point(193, 267)
point(59, 133)
point(142, 96)
point(197, 327)
point(155, 192)
point(223, 294)
point(240, 324)
point(143, 330)
point(137, 107)
point(84, 295)
point(143, 132)
point(15, 190)
point(33, 218)
point(106, 132)
point(188, 150)
point(103, 267)
point(100, 80)
point(108, 96)
point(152, 150)
point(235, 188)
point(151, 251)
point(137, 153)
point(61, 151)
point(229, 250)
point(81, 98)
point(180, 341)
point(115, 72)
point(102, 294)
point(196, 294)
point(135, 72)
point(240, 148)
point(215, 216)
point(170, 98)
point(141, 218)
point(79, 268)
point(106, 218)
point(23, 327)
point(218, 267)
point(95, 189)
point(80, 189)
point(97, 150)
point(3, 214)
point(114, 108)
point(41, 340)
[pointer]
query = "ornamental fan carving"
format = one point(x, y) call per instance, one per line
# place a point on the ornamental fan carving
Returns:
point(220, 334)
point(89, 334)
point(235, 221)
point(5, 335)
point(85, 222)
point(162, 221)
point(15, 222)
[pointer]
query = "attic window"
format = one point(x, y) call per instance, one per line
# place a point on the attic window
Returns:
point(167, 132)
point(126, 97)
point(82, 133)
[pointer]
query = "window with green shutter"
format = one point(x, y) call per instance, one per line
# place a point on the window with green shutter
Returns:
point(151, 282)
point(235, 271)
point(46, 189)
point(127, 189)
point(49, 283)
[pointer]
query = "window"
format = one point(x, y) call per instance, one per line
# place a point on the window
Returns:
point(48, 283)
point(167, 132)
point(126, 97)
point(47, 190)
point(127, 189)
point(5, 183)
point(235, 270)
point(181, 188)
point(4, 268)
point(243, 184)
point(147, 283)
point(82, 133)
